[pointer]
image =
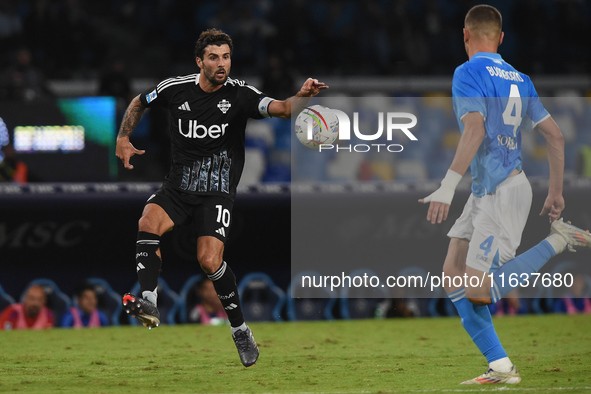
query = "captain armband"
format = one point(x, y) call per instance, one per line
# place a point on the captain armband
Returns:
point(264, 106)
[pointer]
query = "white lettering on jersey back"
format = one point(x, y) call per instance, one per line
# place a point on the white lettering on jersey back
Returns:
point(195, 130)
point(508, 75)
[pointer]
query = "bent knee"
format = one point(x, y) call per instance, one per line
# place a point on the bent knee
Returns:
point(146, 224)
point(209, 263)
point(481, 301)
point(155, 220)
point(150, 225)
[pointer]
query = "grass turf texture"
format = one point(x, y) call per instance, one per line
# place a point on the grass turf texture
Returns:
point(399, 355)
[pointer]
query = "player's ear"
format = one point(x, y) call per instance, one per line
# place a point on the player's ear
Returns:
point(199, 62)
point(466, 35)
point(501, 38)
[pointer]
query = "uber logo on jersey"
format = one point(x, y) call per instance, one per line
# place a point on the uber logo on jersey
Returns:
point(195, 130)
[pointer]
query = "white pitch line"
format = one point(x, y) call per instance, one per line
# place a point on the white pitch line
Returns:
point(480, 390)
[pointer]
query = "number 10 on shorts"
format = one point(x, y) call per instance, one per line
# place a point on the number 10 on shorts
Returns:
point(223, 215)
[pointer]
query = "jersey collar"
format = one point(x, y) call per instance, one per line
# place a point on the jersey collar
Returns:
point(488, 55)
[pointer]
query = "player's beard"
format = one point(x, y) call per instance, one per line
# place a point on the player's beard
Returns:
point(212, 77)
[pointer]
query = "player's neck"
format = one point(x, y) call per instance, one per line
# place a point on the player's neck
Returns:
point(207, 86)
point(476, 45)
point(473, 50)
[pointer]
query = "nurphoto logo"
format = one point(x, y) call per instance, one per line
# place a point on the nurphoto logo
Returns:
point(318, 127)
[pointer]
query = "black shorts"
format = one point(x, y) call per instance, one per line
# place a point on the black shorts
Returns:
point(209, 215)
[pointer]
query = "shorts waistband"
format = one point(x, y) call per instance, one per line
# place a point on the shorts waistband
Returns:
point(515, 179)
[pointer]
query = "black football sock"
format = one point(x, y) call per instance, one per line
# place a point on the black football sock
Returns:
point(148, 263)
point(224, 282)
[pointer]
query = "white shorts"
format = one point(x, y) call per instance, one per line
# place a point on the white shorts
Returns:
point(494, 223)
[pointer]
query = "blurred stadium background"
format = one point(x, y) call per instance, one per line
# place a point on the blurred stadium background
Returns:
point(61, 59)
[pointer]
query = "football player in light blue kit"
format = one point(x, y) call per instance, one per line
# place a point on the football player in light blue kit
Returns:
point(491, 99)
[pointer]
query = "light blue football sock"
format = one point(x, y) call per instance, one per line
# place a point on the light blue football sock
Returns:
point(526, 263)
point(477, 322)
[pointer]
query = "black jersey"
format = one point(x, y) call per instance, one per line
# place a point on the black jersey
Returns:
point(207, 131)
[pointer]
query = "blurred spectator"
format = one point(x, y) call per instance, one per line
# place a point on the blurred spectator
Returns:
point(30, 314)
point(395, 307)
point(510, 305)
point(85, 313)
point(22, 80)
point(12, 169)
point(209, 310)
point(577, 299)
point(399, 305)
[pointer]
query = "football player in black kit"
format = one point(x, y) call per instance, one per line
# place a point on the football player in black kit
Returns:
point(209, 112)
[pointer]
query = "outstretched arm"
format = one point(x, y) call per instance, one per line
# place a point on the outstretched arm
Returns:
point(554, 203)
point(293, 105)
point(125, 149)
point(472, 137)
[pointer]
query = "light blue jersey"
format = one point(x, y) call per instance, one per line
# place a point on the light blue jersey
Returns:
point(504, 96)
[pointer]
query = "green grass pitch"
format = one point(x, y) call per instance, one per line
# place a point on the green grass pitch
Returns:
point(552, 352)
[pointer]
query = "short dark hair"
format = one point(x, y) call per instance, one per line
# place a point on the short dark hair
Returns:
point(83, 287)
point(211, 37)
point(485, 19)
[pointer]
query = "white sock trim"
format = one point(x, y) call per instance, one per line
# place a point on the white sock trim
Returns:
point(557, 242)
point(241, 327)
point(501, 365)
point(219, 273)
point(151, 296)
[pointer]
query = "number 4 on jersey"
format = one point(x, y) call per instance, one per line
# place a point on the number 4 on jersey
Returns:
point(512, 113)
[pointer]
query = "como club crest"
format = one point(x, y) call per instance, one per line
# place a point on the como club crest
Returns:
point(224, 105)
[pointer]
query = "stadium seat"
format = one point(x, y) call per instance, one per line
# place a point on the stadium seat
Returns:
point(310, 303)
point(187, 298)
point(309, 165)
point(167, 300)
point(261, 299)
point(254, 171)
point(57, 301)
point(282, 129)
point(277, 172)
point(5, 299)
point(361, 302)
point(260, 134)
point(109, 302)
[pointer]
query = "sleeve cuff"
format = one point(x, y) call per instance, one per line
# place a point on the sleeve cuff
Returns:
point(540, 121)
point(480, 112)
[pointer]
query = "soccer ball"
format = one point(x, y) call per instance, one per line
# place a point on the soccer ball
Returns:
point(321, 121)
